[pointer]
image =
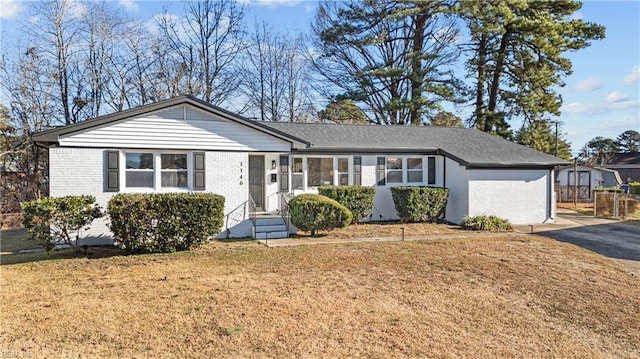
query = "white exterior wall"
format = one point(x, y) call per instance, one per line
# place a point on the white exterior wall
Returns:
point(457, 181)
point(181, 127)
point(383, 206)
point(521, 196)
point(79, 171)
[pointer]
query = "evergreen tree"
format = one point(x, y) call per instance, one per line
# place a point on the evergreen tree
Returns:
point(515, 61)
point(446, 119)
point(540, 136)
point(393, 57)
point(629, 141)
point(343, 111)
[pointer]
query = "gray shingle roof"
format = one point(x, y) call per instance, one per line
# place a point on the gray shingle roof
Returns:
point(470, 147)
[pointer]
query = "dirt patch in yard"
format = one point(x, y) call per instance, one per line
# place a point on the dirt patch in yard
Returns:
point(514, 296)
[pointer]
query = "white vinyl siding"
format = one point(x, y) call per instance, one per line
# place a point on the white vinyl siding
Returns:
point(182, 127)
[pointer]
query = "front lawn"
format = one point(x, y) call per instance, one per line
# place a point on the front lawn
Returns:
point(513, 296)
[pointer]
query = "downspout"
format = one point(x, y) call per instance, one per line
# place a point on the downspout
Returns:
point(444, 184)
point(550, 198)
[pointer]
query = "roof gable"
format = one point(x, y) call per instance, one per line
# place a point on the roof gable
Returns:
point(58, 134)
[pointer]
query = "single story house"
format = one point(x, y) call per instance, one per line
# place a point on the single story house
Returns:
point(184, 144)
point(627, 164)
point(583, 179)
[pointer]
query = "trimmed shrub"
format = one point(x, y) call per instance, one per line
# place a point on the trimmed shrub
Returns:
point(52, 220)
point(485, 223)
point(165, 222)
point(609, 189)
point(634, 188)
point(420, 204)
point(314, 212)
point(359, 199)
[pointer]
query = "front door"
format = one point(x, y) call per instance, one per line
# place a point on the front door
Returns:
point(256, 181)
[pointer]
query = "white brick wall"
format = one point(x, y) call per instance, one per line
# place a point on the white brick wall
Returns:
point(521, 196)
point(224, 171)
point(79, 171)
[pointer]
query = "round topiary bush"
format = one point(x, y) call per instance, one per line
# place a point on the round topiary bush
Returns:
point(314, 212)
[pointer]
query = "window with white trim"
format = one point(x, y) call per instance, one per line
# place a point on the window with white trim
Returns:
point(297, 177)
point(394, 170)
point(156, 170)
point(139, 170)
point(343, 171)
point(174, 172)
point(414, 170)
point(319, 171)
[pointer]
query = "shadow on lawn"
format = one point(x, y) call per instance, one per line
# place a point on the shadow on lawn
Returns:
point(69, 253)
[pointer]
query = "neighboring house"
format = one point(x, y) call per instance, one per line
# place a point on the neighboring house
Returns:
point(583, 179)
point(628, 165)
point(184, 144)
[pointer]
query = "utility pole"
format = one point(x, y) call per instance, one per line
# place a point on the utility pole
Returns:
point(555, 151)
point(575, 182)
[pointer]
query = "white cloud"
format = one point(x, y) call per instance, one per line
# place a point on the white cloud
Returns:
point(129, 5)
point(616, 97)
point(633, 77)
point(75, 9)
point(578, 108)
point(588, 85)
point(9, 9)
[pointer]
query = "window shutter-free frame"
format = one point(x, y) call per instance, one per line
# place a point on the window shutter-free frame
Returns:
point(357, 170)
point(111, 171)
point(199, 174)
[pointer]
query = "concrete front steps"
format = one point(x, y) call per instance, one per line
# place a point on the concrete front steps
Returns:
point(271, 227)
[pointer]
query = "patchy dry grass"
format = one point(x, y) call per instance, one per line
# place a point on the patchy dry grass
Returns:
point(516, 296)
point(385, 229)
point(584, 208)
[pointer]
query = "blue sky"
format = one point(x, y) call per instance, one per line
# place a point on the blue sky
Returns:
point(601, 97)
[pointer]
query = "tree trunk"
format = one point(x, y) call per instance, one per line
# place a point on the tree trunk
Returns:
point(481, 70)
point(417, 76)
point(495, 82)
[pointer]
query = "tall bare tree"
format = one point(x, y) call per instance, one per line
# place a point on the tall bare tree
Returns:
point(275, 74)
point(56, 34)
point(204, 46)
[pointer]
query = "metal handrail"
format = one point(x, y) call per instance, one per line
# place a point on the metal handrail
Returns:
point(284, 209)
point(252, 212)
point(235, 214)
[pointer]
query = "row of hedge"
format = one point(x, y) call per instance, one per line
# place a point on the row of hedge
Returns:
point(338, 206)
point(167, 222)
point(159, 222)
